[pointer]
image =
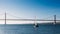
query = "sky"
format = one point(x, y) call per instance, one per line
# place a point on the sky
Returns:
point(27, 9)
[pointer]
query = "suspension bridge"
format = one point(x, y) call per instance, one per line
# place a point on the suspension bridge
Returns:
point(28, 28)
point(35, 20)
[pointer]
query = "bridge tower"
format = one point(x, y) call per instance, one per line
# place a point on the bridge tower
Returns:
point(54, 19)
point(5, 17)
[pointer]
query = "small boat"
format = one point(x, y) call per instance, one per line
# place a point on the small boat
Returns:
point(36, 25)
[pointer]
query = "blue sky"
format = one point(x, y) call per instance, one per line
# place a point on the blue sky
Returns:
point(30, 8)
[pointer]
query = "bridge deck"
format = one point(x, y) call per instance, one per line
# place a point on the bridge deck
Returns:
point(27, 20)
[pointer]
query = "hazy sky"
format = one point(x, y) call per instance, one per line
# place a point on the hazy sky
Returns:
point(31, 8)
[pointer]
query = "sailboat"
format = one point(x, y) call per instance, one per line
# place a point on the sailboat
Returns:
point(35, 23)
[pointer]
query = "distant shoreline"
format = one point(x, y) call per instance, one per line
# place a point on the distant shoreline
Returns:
point(33, 23)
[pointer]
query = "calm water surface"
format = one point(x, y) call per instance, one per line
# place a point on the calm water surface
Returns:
point(29, 29)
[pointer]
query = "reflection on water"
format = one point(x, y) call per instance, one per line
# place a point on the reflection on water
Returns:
point(29, 29)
